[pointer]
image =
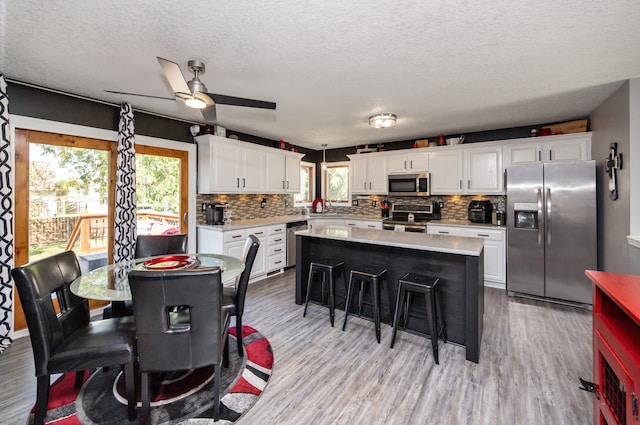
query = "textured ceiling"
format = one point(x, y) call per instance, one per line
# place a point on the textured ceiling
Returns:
point(442, 66)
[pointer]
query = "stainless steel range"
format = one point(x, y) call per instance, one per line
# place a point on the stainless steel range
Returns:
point(411, 218)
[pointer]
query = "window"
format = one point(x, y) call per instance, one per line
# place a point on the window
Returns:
point(335, 182)
point(307, 184)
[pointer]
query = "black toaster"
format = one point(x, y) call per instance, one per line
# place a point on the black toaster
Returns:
point(480, 211)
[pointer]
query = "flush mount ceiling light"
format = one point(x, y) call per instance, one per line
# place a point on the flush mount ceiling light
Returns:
point(382, 120)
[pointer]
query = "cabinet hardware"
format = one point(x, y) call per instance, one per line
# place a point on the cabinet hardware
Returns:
point(443, 233)
point(238, 182)
point(371, 225)
point(287, 184)
point(278, 240)
point(258, 233)
point(278, 230)
point(278, 262)
point(460, 184)
point(365, 185)
point(411, 164)
point(483, 235)
point(369, 185)
point(244, 183)
point(468, 184)
point(539, 156)
point(351, 224)
point(283, 184)
point(405, 164)
point(549, 154)
point(277, 250)
point(236, 236)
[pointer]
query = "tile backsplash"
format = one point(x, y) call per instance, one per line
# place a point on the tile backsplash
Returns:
point(247, 206)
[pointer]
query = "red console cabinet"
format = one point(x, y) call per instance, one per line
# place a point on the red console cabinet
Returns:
point(616, 347)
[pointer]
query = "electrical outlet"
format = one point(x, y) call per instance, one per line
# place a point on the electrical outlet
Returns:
point(263, 203)
point(374, 203)
point(441, 204)
point(354, 202)
point(204, 206)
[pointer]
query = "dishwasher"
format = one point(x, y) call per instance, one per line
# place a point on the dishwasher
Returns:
point(292, 228)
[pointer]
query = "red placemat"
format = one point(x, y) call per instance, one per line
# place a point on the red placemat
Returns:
point(169, 262)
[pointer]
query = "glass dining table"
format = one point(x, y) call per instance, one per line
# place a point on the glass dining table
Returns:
point(111, 283)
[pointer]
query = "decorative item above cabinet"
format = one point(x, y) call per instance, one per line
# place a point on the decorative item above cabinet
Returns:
point(232, 166)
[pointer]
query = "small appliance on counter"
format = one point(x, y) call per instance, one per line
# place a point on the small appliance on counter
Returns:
point(498, 218)
point(215, 214)
point(384, 208)
point(480, 211)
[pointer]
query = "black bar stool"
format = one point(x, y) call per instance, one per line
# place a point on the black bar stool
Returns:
point(328, 268)
point(407, 285)
point(366, 274)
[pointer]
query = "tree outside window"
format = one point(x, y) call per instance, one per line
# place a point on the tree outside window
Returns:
point(307, 180)
point(336, 183)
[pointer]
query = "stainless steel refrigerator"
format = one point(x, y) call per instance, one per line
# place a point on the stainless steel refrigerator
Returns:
point(551, 229)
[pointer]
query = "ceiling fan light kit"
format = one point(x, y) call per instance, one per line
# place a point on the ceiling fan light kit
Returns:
point(194, 92)
point(194, 102)
point(382, 120)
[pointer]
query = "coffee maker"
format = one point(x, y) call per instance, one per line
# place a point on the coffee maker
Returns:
point(215, 214)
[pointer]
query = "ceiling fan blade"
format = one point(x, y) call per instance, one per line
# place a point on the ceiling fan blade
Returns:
point(209, 113)
point(141, 95)
point(174, 76)
point(222, 99)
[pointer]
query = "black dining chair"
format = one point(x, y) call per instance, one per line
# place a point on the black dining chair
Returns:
point(171, 339)
point(233, 300)
point(63, 338)
point(147, 246)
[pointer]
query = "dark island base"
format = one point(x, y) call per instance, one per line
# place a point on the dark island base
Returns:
point(461, 285)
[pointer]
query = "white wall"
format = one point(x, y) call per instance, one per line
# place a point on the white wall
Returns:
point(612, 121)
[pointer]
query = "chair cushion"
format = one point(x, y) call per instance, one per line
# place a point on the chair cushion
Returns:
point(106, 342)
point(228, 300)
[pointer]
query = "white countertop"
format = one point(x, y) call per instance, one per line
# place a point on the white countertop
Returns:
point(458, 222)
point(420, 241)
point(282, 219)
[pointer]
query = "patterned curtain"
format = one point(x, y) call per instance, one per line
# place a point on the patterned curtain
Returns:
point(6, 221)
point(125, 212)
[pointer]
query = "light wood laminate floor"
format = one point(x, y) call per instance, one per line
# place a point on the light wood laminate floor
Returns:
point(532, 354)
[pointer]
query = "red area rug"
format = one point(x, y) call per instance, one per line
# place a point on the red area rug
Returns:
point(182, 397)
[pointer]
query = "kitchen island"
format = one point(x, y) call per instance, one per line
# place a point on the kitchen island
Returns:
point(457, 261)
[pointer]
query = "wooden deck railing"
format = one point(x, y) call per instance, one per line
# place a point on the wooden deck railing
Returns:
point(91, 230)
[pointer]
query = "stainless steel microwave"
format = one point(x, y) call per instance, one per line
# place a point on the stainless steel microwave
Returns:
point(409, 184)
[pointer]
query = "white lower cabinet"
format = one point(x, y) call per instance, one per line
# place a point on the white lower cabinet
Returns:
point(363, 224)
point(260, 263)
point(271, 255)
point(276, 247)
point(495, 252)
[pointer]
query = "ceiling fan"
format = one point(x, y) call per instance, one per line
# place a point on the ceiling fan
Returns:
point(194, 92)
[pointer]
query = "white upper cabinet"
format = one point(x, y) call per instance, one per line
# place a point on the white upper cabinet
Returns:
point(368, 174)
point(446, 171)
point(292, 168)
point(283, 172)
point(566, 147)
point(231, 166)
point(467, 171)
point(408, 161)
point(483, 171)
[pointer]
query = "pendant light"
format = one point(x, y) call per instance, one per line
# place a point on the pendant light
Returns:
point(324, 156)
